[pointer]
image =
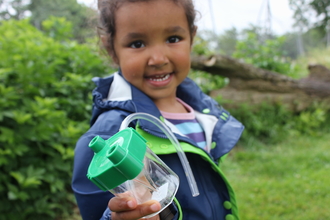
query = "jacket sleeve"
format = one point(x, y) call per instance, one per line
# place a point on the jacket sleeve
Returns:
point(90, 199)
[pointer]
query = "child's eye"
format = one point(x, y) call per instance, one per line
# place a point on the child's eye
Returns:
point(137, 44)
point(173, 39)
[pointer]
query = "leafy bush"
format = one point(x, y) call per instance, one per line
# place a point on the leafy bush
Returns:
point(274, 123)
point(57, 28)
point(44, 108)
point(266, 55)
point(264, 123)
point(208, 82)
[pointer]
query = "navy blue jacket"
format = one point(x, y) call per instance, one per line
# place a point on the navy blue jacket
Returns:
point(114, 99)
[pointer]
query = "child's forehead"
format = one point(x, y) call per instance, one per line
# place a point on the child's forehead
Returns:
point(138, 3)
point(154, 9)
point(150, 4)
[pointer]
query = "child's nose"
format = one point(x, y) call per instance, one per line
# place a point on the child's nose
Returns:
point(158, 57)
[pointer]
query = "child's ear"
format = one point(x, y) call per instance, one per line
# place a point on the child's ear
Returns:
point(107, 47)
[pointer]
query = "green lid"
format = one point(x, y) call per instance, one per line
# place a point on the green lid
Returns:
point(116, 160)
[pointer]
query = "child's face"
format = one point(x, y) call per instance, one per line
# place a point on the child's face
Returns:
point(152, 47)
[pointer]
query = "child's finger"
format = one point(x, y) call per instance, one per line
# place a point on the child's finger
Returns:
point(120, 204)
point(140, 211)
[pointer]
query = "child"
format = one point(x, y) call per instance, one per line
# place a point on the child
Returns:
point(151, 41)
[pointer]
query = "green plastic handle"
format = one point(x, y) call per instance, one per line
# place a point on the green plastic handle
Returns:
point(116, 160)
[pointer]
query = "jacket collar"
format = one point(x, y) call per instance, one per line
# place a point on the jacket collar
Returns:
point(115, 92)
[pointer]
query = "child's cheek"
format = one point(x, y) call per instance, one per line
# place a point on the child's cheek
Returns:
point(183, 58)
point(132, 66)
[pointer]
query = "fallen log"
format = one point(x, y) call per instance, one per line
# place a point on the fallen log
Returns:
point(252, 85)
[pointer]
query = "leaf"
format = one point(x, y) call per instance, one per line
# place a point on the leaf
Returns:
point(18, 176)
point(21, 117)
point(7, 135)
point(11, 195)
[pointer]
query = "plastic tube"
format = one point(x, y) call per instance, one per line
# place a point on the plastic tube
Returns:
point(174, 141)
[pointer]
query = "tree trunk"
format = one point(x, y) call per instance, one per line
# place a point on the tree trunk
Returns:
point(252, 85)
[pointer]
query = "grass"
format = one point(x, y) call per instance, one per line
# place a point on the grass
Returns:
point(285, 181)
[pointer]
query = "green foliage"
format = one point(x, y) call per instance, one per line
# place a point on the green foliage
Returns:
point(201, 46)
point(227, 41)
point(312, 39)
point(265, 123)
point(321, 7)
point(304, 9)
point(314, 56)
point(266, 55)
point(312, 121)
point(40, 10)
point(208, 82)
point(301, 9)
point(44, 107)
point(208, 42)
point(78, 14)
point(274, 123)
point(57, 28)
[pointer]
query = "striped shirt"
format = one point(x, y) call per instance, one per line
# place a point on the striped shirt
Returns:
point(187, 124)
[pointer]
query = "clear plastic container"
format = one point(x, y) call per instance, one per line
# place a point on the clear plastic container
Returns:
point(123, 164)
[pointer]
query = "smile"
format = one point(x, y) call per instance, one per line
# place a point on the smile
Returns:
point(159, 78)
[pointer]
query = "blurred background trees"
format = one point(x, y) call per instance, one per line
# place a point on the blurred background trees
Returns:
point(81, 16)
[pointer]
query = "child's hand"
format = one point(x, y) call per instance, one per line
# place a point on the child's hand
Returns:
point(125, 207)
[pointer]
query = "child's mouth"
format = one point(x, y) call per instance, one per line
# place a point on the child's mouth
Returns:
point(160, 78)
